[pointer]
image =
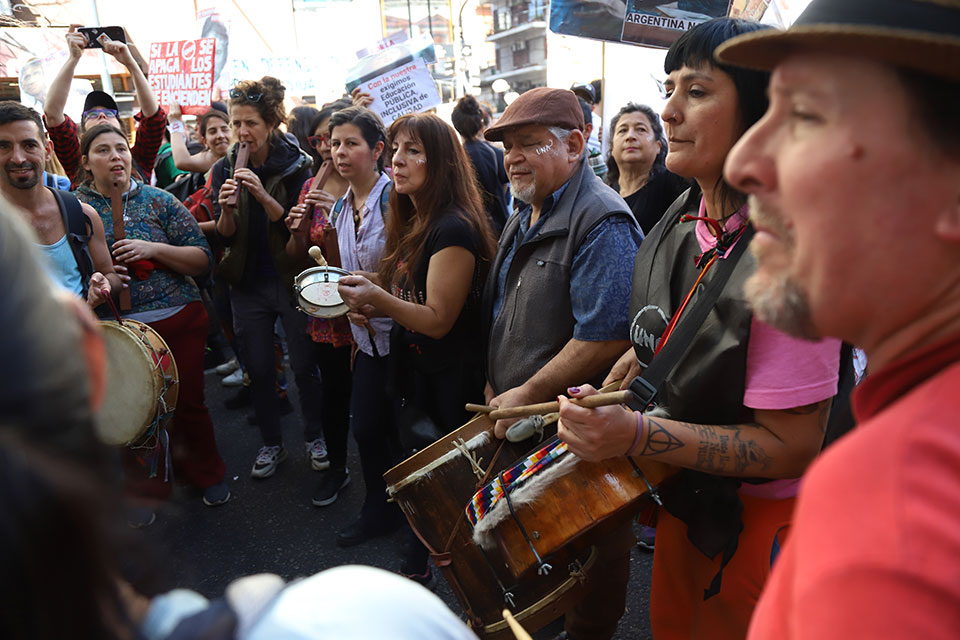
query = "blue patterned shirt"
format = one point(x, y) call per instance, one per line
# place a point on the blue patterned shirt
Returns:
point(600, 277)
point(156, 216)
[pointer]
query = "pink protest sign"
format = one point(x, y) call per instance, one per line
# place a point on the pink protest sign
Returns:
point(182, 72)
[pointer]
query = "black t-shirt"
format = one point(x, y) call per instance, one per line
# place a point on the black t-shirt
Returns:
point(487, 162)
point(650, 202)
point(462, 343)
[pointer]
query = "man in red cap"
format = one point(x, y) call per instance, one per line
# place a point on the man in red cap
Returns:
point(556, 303)
point(854, 176)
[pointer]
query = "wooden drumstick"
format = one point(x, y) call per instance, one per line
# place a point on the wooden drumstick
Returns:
point(518, 630)
point(598, 400)
point(243, 156)
point(317, 254)
point(323, 174)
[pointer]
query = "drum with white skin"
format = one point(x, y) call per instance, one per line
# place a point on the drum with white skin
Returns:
point(142, 383)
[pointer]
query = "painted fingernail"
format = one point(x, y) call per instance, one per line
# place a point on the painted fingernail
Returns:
point(559, 398)
point(574, 391)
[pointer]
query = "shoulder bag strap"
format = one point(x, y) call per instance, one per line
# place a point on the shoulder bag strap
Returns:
point(645, 386)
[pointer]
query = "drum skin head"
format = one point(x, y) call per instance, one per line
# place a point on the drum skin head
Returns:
point(133, 386)
point(322, 294)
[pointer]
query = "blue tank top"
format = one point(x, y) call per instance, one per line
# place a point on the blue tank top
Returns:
point(62, 265)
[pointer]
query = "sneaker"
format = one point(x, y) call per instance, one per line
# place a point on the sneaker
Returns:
point(330, 485)
point(240, 399)
point(140, 517)
point(227, 367)
point(646, 537)
point(267, 460)
point(235, 379)
point(317, 452)
point(216, 495)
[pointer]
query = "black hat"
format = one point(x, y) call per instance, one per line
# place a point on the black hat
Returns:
point(921, 35)
point(585, 91)
point(99, 99)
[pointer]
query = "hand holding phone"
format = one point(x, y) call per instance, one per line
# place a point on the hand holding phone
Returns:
point(98, 36)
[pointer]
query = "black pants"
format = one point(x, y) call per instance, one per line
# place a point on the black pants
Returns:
point(337, 381)
point(256, 309)
point(373, 418)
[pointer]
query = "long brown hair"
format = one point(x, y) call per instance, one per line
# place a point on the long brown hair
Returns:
point(450, 189)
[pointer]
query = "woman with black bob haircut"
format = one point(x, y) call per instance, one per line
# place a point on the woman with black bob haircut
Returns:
point(357, 145)
point(636, 164)
point(257, 267)
point(739, 414)
point(487, 160)
point(437, 253)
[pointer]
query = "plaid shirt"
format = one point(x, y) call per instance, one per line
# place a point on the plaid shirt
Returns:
point(149, 137)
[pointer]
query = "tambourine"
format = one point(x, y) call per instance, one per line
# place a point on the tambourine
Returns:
point(317, 293)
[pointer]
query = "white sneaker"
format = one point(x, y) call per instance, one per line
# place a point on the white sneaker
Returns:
point(317, 452)
point(235, 379)
point(227, 368)
point(268, 458)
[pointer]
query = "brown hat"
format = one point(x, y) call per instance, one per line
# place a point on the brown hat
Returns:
point(543, 106)
point(921, 35)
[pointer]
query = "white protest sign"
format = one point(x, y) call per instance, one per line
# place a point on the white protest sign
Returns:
point(182, 72)
point(405, 88)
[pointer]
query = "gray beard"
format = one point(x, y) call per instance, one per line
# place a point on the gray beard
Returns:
point(524, 195)
point(781, 303)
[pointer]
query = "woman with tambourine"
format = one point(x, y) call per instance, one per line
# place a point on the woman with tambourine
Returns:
point(438, 249)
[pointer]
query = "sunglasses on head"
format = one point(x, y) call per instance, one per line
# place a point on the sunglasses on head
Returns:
point(316, 142)
point(252, 96)
point(99, 111)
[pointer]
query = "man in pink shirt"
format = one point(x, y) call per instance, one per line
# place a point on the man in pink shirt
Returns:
point(854, 176)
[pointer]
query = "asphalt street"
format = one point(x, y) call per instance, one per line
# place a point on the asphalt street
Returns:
point(271, 526)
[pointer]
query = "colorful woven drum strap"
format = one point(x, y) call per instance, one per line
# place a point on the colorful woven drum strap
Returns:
point(485, 499)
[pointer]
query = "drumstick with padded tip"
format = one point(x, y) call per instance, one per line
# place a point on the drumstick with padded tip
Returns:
point(317, 254)
point(598, 400)
point(518, 631)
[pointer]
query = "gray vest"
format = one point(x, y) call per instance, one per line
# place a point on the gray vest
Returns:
point(536, 320)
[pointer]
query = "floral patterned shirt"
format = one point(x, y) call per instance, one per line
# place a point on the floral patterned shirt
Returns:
point(156, 216)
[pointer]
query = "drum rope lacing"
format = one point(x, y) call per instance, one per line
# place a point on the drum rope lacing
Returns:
point(155, 437)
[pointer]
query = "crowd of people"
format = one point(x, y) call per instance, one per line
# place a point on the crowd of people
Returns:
point(721, 263)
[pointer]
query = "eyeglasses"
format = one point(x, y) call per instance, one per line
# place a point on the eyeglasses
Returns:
point(252, 96)
point(316, 142)
point(96, 113)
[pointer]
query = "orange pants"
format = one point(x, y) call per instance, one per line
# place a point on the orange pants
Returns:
point(681, 573)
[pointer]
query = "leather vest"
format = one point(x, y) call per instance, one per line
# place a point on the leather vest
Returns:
point(707, 384)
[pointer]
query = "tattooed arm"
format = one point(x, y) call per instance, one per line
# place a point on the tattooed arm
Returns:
point(780, 444)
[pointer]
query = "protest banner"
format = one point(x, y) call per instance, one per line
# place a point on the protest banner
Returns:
point(406, 88)
point(182, 72)
point(34, 56)
point(657, 24)
point(398, 78)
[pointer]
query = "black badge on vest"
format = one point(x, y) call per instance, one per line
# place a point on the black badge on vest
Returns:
point(646, 329)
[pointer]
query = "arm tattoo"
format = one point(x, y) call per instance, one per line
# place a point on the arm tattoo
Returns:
point(659, 440)
point(719, 446)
